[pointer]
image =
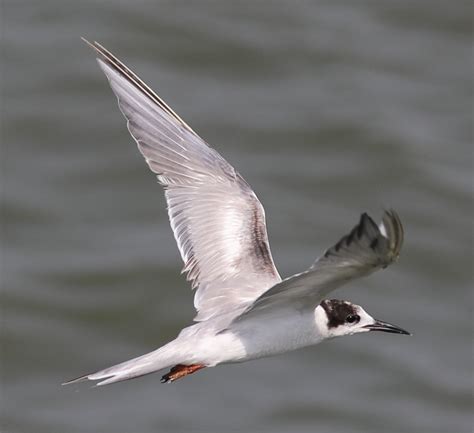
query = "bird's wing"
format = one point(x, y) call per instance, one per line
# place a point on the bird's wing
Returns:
point(217, 220)
point(365, 249)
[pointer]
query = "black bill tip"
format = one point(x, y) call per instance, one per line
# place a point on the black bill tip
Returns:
point(378, 325)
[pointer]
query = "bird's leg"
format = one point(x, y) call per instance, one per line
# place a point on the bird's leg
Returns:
point(179, 371)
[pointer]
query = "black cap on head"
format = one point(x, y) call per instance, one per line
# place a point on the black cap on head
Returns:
point(337, 311)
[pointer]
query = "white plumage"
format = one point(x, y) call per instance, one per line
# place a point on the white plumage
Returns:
point(244, 309)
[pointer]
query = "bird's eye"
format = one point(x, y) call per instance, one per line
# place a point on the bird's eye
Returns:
point(352, 318)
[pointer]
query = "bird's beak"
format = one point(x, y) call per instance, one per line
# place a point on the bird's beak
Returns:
point(378, 325)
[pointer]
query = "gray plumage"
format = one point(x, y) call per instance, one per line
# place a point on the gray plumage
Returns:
point(217, 220)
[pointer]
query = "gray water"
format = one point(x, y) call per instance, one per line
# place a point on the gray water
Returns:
point(328, 109)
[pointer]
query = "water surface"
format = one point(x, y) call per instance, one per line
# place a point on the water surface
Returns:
point(328, 110)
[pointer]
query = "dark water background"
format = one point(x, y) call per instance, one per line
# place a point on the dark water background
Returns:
point(328, 109)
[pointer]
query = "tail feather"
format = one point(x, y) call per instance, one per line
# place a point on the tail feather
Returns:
point(140, 366)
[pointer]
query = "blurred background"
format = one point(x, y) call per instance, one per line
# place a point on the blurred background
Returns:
point(328, 109)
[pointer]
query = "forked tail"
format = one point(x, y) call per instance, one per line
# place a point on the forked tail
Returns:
point(149, 363)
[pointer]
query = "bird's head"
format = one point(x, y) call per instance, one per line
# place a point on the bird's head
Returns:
point(336, 318)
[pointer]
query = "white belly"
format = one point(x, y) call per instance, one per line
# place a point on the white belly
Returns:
point(257, 338)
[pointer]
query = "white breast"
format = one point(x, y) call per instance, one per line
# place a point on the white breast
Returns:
point(276, 333)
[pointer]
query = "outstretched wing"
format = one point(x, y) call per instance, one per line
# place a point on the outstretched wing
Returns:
point(364, 250)
point(217, 220)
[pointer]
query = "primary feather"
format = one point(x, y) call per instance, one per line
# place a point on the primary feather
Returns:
point(364, 250)
point(217, 220)
point(245, 310)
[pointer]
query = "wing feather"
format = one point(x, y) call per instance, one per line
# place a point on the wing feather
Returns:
point(217, 220)
point(365, 249)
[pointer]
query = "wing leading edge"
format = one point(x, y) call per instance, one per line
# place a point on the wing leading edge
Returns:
point(217, 220)
point(366, 249)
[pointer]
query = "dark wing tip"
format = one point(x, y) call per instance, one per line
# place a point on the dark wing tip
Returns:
point(83, 39)
point(384, 240)
point(105, 56)
point(99, 49)
point(390, 230)
point(367, 226)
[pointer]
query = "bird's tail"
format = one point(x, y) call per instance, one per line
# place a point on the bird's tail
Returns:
point(149, 363)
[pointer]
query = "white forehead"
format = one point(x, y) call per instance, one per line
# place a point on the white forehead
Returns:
point(364, 316)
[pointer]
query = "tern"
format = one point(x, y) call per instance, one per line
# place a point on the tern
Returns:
point(245, 310)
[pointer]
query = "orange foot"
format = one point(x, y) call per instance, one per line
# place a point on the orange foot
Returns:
point(179, 371)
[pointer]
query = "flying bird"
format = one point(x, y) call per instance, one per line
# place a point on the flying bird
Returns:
point(245, 310)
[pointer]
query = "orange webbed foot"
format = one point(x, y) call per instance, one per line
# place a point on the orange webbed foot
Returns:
point(179, 371)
